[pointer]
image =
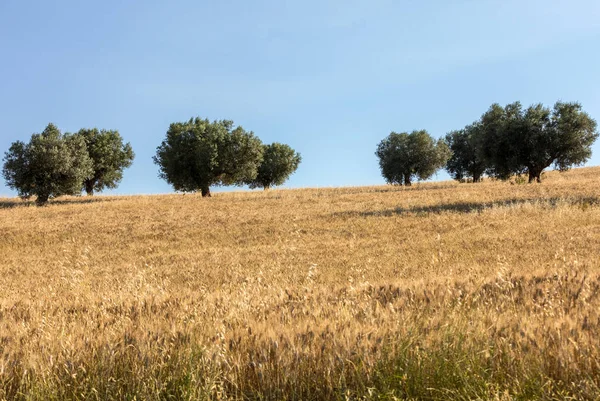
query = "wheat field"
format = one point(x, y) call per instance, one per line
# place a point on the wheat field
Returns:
point(439, 291)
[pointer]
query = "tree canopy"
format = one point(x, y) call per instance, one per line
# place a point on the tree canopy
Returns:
point(109, 158)
point(279, 162)
point(50, 165)
point(517, 141)
point(404, 156)
point(198, 154)
point(466, 159)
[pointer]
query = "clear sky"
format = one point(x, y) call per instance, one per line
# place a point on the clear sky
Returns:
point(329, 78)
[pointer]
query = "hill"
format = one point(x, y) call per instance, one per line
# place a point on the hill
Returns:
point(436, 291)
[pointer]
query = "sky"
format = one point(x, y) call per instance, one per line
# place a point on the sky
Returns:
point(329, 78)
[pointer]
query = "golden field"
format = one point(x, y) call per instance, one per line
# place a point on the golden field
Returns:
point(437, 291)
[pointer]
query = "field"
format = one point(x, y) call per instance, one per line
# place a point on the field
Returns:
point(437, 291)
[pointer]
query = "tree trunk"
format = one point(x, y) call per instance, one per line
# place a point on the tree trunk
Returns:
point(205, 192)
point(266, 187)
point(476, 177)
point(42, 199)
point(407, 180)
point(89, 188)
point(534, 175)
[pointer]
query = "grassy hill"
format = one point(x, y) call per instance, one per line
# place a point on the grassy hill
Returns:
point(437, 291)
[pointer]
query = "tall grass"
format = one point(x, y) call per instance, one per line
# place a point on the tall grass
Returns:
point(439, 292)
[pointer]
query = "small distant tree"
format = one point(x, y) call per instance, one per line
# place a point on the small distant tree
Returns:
point(466, 159)
point(109, 157)
point(404, 156)
point(50, 165)
point(279, 162)
point(518, 141)
point(198, 154)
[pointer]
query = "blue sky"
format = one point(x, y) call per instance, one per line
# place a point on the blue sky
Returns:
point(330, 78)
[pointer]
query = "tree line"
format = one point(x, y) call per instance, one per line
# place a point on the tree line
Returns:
point(503, 142)
point(194, 156)
point(198, 154)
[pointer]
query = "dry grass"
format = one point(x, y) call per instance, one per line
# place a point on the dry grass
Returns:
point(440, 291)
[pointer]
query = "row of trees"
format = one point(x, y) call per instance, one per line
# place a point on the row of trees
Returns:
point(194, 156)
point(198, 154)
point(505, 141)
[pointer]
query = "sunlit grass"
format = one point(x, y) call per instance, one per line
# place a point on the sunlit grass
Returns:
point(438, 291)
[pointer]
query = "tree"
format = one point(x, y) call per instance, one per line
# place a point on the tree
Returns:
point(466, 160)
point(50, 165)
point(279, 162)
point(109, 157)
point(563, 138)
point(518, 141)
point(198, 154)
point(501, 127)
point(404, 156)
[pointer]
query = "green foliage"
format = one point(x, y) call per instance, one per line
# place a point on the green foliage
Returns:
point(109, 156)
point(279, 162)
point(517, 141)
point(405, 156)
point(50, 165)
point(466, 160)
point(573, 135)
point(198, 154)
point(500, 126)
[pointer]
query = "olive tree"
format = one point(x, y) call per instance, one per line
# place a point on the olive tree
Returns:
point(518, 141)
point(404, 156)
point(109, 158)
point(50, 165)
point(279, 162)
point(466, 159)
point(561, 137)
point(198, 154)
point(500, 127)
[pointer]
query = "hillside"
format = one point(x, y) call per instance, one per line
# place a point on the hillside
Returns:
point(437, 291)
